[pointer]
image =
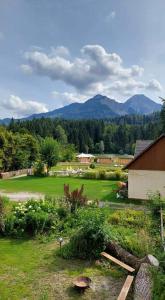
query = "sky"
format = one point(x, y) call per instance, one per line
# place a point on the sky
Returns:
point(55, 52)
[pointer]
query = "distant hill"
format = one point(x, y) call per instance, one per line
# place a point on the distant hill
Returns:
point(102, 107)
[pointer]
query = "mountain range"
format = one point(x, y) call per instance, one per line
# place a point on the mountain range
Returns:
point(101, 107)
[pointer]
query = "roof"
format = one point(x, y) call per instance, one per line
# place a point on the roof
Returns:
point(142, 152)
point(141, 145)
point(85, 155)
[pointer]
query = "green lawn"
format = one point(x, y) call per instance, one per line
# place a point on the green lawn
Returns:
point(30, 269)
point(94, 189)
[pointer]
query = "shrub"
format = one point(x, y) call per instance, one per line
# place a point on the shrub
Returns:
point(129, 218)
point(91, 175)
point(39, 169)
point(89, 240)
point(3, 202)
point(92, 166)
point(102, 174)
point(38, 222)
point(62, 212)
point(156, 203)
point(75, 198)
point(32, 217)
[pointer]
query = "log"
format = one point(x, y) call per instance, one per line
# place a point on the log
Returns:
point(143, 283)
point(128, 258)
point(123, 255)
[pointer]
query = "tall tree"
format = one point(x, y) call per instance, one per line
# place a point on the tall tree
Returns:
point(50, 152)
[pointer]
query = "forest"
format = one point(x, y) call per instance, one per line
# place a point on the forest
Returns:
point(47, 141)
point(116, 135)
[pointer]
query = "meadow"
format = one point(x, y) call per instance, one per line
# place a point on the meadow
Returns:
point(94, 189)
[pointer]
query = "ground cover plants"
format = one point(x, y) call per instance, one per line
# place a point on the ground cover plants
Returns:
point(85, 230)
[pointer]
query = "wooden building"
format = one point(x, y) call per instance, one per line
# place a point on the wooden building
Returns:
point(85, 158)
point(146, 172)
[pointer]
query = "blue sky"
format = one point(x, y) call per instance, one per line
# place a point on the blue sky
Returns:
point(54, 52)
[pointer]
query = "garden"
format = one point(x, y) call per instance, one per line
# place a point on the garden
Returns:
point(34, 266)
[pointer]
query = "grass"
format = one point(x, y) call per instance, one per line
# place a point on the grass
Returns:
point(94, 189)
point(32, 270)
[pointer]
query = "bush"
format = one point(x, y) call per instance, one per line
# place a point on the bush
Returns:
point(76, 198)
point(131, 218)
point(103, 174)
point(92, 166)
point(89, 240)
point(91, 175)
point(32, 217)
point(40, 169)
point(3, 202)
point(38, 222)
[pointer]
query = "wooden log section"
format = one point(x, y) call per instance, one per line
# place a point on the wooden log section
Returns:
point(126, 287)
point(143, 283)
point(118, 262)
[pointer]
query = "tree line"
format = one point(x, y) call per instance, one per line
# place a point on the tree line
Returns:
point(21, 149)
point(116, 135)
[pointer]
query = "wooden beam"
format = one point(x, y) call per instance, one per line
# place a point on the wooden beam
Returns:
point(118, 262)
point(125, 288)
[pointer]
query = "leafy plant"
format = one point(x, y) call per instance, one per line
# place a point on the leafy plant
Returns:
point(89, 240)
point(75, 198)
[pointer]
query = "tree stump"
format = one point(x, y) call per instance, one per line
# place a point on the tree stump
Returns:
point(143, 283)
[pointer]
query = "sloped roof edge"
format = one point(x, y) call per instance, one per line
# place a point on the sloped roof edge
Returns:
point(145, 150)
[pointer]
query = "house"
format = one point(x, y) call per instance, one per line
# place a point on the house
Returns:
point(85, 158)
point(115, 159)
point(104, 159)
point(141, 145)
point(146, 172)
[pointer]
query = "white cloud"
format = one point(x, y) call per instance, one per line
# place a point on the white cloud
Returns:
point(60, 51)
point(110, 16)
point(95, 70)
point(154, 85)
point(66, 98)
point(19, 107)
point(26, 69)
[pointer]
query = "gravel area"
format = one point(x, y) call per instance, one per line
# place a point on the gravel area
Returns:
point(22, 196)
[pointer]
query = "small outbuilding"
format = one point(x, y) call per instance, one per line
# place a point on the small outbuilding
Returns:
point(146, 172)
point(85, 158)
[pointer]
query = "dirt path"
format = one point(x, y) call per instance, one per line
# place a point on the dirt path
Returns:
point(22, 196)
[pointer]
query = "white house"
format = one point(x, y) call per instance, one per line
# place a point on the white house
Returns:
point(85, 158)
point(146, 172)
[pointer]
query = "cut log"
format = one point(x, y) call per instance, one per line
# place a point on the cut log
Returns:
point(126, 257)
point(125, 288)
point(152, 260)
point(120, 253)
point(143, 283)
point(118, 262)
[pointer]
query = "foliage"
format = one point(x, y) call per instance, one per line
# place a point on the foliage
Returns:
point(105, 175)
point(89, 240)
point(75, 198)
point(2, 212)
point(39, 168)
point(159, 279)
point(156, 202)
point(96, 136)
point(50, 151)
point(92, 166)
point(32, 217)
point(131, 218)
point(18, 151)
